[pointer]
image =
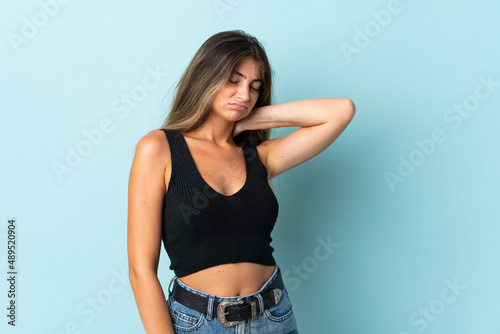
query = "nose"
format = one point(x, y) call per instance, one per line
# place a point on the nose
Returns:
point(243, 93)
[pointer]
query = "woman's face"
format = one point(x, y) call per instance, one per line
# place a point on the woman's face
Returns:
point(238, 96)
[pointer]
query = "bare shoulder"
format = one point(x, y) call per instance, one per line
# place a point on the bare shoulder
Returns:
point(153, 143)
point(153, 148)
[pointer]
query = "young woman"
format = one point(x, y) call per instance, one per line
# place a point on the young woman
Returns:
point(201, 185)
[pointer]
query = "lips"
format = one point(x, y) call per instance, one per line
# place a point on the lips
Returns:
point(238, 106)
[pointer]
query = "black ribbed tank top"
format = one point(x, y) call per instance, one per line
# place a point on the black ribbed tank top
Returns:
point(202, 228)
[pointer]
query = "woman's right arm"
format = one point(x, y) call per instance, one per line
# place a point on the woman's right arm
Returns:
point(146, 191)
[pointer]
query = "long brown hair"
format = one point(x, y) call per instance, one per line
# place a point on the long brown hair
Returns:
point(208, 71)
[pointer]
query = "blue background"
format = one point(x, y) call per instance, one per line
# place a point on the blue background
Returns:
point(399, 245)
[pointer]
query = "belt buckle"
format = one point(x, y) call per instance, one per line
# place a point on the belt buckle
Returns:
point(221, 311)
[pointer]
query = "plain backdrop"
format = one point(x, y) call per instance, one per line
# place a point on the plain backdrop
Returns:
point(391, 230)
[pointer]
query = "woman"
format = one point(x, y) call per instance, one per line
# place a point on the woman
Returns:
point(201, 184)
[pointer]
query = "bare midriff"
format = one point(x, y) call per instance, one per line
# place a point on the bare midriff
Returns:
point(231, 279)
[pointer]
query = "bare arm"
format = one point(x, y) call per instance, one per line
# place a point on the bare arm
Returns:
point(321, 121)
point(145, 201)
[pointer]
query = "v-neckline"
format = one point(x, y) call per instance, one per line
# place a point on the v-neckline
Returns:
point(205, 182)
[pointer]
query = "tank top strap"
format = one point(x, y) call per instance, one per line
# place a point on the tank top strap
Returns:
point(182, 165)
point(252, 159)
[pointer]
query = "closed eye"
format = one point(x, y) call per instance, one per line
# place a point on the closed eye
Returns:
point(236, 82)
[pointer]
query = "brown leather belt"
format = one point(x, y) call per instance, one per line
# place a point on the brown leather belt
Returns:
point(230, 312)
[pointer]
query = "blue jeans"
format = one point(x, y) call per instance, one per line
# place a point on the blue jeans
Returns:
point(277, 319)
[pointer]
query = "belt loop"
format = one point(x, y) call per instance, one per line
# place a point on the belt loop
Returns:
point(210, 307)
point(261, 303)
point(170, 285)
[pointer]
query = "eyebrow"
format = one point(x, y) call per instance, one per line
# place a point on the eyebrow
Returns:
point(244, 77)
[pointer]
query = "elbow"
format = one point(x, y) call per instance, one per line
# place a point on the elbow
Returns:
point(343, 111)
point(132, 276)
point(138, 275)
point(349, 109)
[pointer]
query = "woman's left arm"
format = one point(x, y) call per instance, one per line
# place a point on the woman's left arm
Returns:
point(321, 121)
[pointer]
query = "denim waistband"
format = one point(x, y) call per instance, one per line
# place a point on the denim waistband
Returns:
point(218, 298)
